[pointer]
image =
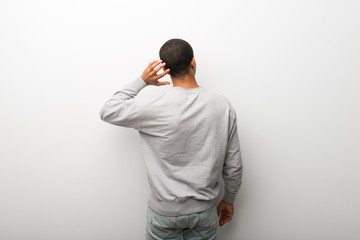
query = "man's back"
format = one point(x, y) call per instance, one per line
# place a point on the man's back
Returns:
point(188, 137)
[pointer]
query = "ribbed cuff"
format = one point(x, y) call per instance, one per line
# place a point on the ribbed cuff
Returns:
point(139, 83)
point(229, 197)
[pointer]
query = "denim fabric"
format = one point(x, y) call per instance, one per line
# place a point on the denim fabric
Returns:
point(195, 226)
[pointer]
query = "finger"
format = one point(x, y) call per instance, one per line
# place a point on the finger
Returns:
point(162, 83)
point(159, 67)
point(163, 74)
point(156, 67)
point(151, 63)
point(154, 64)
point(227, 219)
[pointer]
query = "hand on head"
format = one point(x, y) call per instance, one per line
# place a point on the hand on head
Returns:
point(150, 75)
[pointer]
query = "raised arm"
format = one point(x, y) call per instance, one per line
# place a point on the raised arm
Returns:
point(122, 109)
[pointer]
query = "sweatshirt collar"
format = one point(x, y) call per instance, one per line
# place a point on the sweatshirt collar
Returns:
point(188, 89)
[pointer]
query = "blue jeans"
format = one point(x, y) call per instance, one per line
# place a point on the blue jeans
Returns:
point(195, 226)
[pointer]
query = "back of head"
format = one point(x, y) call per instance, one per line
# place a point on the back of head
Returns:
point(177, 54)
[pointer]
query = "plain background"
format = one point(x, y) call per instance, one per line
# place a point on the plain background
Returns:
point(290, 69)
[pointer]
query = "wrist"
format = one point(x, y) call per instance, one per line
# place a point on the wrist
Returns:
point(229, 197)
point(227, 202)
point(142, 78)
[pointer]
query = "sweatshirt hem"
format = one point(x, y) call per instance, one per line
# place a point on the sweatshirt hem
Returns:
point(179, 207)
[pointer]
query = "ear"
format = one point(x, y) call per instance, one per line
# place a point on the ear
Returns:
point(192, 63)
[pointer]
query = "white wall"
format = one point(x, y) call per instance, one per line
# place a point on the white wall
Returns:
point(290, 68)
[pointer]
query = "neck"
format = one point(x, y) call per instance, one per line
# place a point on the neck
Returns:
point(188, 81)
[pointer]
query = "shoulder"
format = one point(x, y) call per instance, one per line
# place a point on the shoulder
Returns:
point(219, 100)
point(151, 94)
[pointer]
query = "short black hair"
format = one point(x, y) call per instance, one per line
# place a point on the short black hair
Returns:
point(177, 54)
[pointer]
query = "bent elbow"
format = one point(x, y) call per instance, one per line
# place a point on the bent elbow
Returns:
point(102, 115)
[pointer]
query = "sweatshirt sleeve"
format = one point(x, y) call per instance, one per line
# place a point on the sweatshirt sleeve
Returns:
point(233, 167)
point(122, 108)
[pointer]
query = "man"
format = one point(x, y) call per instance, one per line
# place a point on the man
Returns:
point(188, 137)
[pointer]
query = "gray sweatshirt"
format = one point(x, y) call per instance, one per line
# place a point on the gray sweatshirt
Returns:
point(188, 138)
